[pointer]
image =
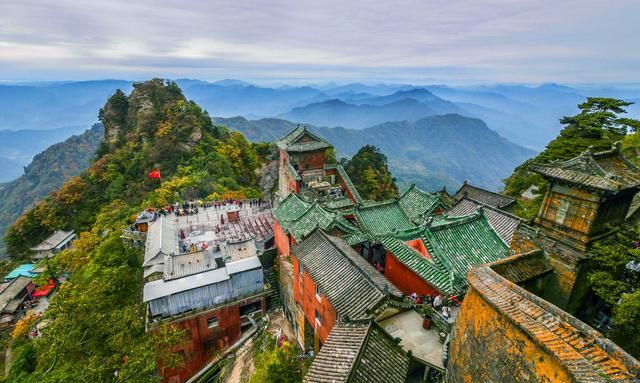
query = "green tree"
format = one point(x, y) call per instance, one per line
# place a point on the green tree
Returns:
point(598, 125)
point(370, 174)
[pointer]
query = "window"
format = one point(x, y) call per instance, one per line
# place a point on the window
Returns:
point(318, 293)
point(212, 322)
point(318, 319)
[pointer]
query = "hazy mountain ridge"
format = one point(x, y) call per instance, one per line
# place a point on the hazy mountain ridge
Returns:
point(435, 151)
point(48, 171)
point(526, 115)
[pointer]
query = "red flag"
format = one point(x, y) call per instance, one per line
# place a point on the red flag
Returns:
point(154, 173)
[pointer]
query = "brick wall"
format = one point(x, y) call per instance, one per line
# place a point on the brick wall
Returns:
point(203, 342)
point(304, 292)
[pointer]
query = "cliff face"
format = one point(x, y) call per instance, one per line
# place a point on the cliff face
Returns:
point(155, 110)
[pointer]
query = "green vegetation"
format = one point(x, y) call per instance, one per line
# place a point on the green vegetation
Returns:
point(611, 282)
point(277, 364)
point(598, 125)
point(48, 171)
point(370, 174)
point(96, 323)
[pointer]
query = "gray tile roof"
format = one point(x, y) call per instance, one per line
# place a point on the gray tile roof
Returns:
point(55, 240)
point(503, 223)
point(359, 353)
point(302, 140)
point(351, 284)
point(485, 196)
point(608, 171)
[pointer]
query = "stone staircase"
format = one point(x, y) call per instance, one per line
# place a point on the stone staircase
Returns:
point(274, 294)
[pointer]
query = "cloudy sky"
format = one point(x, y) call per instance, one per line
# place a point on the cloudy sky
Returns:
point(456, 41)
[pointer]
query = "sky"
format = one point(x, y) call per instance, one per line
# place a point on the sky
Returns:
point(421, 41)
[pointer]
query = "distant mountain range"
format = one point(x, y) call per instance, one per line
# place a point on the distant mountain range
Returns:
point(48, 171)
point(525, 115)
point(432, 152)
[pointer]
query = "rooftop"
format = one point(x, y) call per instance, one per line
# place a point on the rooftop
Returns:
point(11, 289)
point(584, 352)
point(194, 240)
point(454, 245)
point(300, 218)
point(25, 270)
point(350, 283)
point(359, 352)
point(302, 140)
point(505, 224)
point(606, 171)
point(486, 197)
point(55, 241)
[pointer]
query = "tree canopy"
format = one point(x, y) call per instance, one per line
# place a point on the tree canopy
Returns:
point(370, 174)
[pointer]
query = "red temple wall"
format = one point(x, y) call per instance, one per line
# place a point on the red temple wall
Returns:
point(304, 293)
point(281, 239)
point(405, 279)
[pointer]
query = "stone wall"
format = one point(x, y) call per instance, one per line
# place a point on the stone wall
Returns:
point(504, 333)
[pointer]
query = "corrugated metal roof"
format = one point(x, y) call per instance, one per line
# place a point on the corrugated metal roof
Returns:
point(243, 265)
point(160, 288)
point(162, 239)
point(55, 240)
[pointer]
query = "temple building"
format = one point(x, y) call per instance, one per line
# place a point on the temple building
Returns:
point(52, 245)
point(306, 169)
point(505, 333)
point(203, 273)
point(332, 284)
point(485, 197)
point(587, 200)
point(588, 196)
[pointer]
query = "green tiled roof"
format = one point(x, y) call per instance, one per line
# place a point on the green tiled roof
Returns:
point(290, 209)
point(417, 203)
point(352, 188)
point(455, 245)
point(292, 141)
point(299, 218)
point(383, 218)
point(338, 203)
point(316, 216)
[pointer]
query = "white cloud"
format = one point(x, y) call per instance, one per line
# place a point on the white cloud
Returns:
point(497, 40)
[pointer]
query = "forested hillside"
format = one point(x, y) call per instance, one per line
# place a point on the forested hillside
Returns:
point(95, 325)
point(47, 172)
